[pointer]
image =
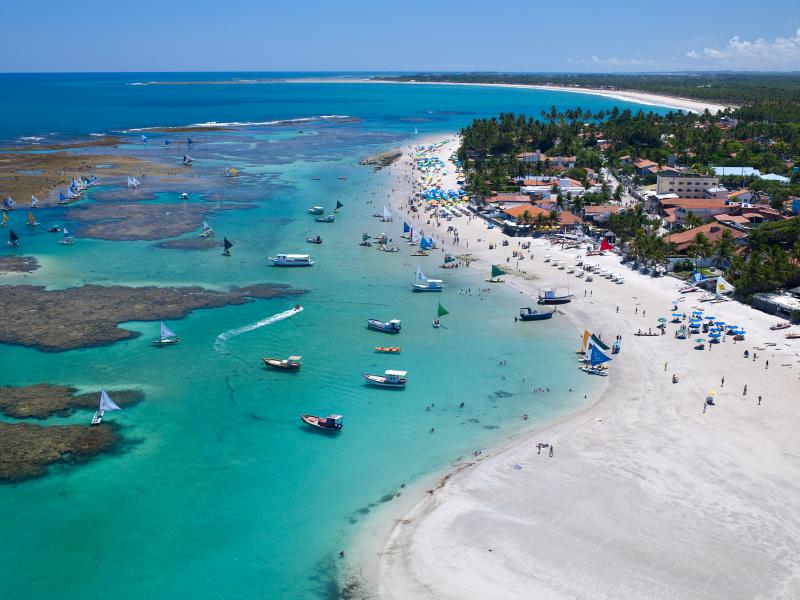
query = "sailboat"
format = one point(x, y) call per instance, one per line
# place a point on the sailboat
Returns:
point(339, 206)
point(133, 183)
point(207, 231)
point(66, 238)
point(226, 247)
point(440, 312)
point(365, 240)
point(144, 138)
point(723, 287)
point(595, 357)
point(231, 172)
point(387, 214)
point(496, 272)
point(34, 202)
point(448, 261)
point(9, 203)
point(5, 219)
point(423, 284)
point(408, 232)
point(32, 222)
point(106, 405)
point(167, 337)
point(187, 160)
point(13, 238)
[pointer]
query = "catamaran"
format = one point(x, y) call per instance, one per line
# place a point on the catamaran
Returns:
point(106, 405)
point(423, 284)
point(393, 326)
point(550, 296)
point(167, 337)
point(67, 238)
point(291, 260)
point(388, 379)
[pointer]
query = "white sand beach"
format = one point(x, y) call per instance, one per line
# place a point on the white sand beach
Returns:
point(645, 496)
point(647, 98)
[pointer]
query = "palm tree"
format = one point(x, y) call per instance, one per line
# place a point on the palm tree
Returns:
point(724, 249)
point(701, 246)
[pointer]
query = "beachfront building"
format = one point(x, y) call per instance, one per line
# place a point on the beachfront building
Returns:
point(703, 208)
point(712, 231)
point(784, 305)
point(685, 185)
point(601, 213)
point(562, 162)
point(542, 187)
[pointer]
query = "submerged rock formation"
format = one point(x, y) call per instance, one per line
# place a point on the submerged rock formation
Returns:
point(44, 400)
point(89, 315)
point(18, 264)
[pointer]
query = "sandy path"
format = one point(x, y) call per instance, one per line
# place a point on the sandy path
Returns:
point(646, 496)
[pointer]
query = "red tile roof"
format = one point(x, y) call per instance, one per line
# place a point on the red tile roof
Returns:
point(510, 198)
point(712, 231)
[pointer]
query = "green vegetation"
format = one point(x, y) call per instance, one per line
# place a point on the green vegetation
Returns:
point(772, 260)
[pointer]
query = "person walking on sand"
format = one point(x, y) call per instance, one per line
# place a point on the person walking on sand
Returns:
point(722, 383)
point(551, 450)
point(744, 393)
point(766, 366)
point(759, 400)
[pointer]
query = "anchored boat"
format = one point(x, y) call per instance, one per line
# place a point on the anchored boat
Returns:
point(328, 219)
point(316, 210)
point(291, 363)
point(388, 379)
point(529, 314)
point(329, 423)
point(550, 296)
point(423, 284)
point(387, 349)
point(392, 326)
point(291, 260)
point(314, 240)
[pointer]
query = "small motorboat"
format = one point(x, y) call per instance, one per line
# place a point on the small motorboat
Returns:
point(388, 379)
point(529, 314)
point(793, 336)
point(393, 326)
point(291, 363)
point(314, 240)
point(328, 219)
point(291, 260)
point(436, 323)
point(420, 253)
point(316, 210)
point(781, 325)
point(184, 196)
point(387, 349)
point(54, 229)
point(329, 423)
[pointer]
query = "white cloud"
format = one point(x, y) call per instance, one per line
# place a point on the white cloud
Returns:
point(782, 52)
point(596, 60)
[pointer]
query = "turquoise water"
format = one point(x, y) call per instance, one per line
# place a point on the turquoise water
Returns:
point(218, 490)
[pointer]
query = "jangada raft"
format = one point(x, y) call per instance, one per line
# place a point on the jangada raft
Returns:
point(529, 314)
point(330, 423)
point(387, 349)
point(392, 326)
point(167, 337)
point(551, 296)
point(291, 363)
point(388, 379)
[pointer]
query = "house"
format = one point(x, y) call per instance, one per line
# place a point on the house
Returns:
point(716, 192)
point(686, 185)
point(643, 167)
point(702, 208)
point(744, 195)
point(510, 199)
point(601, 213)
point(515, 213)
point(712, 231)
point(625, 159)
point(541, 187)
point(733, 220)
point(566, 162)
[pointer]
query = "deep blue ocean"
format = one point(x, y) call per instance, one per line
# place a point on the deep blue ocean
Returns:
point(218, 490)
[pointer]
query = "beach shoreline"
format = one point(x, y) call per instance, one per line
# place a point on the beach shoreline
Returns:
point(639, 97)
point(611, 516)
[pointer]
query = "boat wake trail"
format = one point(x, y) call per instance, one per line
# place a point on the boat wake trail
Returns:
point(219, 343)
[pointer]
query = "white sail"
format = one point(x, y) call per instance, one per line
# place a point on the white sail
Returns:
point(205, 226)
point(106, 403)
point(723, 287)
point(420, 275)
point(34, 201)
point(387, 214)
point(166, 332)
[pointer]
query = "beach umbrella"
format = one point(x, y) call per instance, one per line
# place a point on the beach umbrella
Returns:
point(714, 334)
point(677, 315)
point(719, 322)
point(710, 318)
point(700, 341)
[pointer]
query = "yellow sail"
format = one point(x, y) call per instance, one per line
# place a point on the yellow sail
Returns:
point(5, 218)
point(586, 336)
point(30, 218)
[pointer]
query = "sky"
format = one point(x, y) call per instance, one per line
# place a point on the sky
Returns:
point(412, 35)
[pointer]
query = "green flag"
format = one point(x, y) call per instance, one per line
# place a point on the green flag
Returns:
point(497, 271)
point(442, 311)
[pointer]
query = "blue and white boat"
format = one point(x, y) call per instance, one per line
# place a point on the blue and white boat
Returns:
point(388, 379)
point(328, 219)
point(106, 405)
point(392, 326)
point(291, 260)
point(529, 314)
point(423, 284)
point(595, 357)
point(67, 238)
point(550, 296)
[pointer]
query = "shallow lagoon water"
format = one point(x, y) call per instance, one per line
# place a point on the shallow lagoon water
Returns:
point(218, 489)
